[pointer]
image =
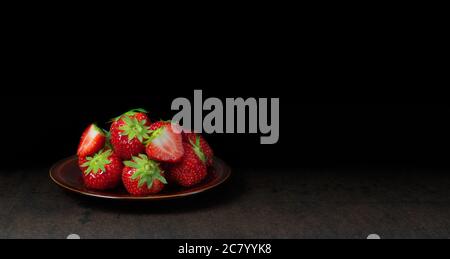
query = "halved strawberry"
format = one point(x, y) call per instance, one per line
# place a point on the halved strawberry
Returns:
point(165, 144)
point(92, 141)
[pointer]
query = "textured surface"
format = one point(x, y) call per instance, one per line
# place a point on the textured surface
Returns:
point(254, 204)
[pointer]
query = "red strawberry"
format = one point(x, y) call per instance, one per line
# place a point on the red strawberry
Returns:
point(92, 141)
point(165, 144)
point(142, 176)
point(128, 133)
point(205, 147)
point(192, 168)
point(102, 171)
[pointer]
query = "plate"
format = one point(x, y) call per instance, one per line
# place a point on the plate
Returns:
point(67, 175)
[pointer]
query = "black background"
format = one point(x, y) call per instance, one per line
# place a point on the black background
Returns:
point(349, 95)
point(39, 130)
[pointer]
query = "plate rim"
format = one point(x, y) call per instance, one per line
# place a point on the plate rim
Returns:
point(146, 198)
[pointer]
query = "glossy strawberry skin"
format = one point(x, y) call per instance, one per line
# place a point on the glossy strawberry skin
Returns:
point(92, 140)
point(170, 152)
point(190, 170)
point(123, 146)
point(158, 124)
point(103, 180)
point(206, 148)
point(132, 186)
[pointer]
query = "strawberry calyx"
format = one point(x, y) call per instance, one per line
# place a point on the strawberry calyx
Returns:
point(97, 163)
point(198, 150)
point(134, 128)
point(147, 171)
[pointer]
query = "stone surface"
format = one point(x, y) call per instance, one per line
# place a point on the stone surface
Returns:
point(253, 204)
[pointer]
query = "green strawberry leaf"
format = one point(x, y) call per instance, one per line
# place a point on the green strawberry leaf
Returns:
point(198, 150)
point(133, 128)
point(98, 162)
point(147, 171)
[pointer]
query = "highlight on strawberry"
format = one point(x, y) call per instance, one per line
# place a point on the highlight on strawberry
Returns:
point(133, 154)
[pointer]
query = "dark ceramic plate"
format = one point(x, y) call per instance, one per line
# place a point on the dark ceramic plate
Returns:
point(68, 176)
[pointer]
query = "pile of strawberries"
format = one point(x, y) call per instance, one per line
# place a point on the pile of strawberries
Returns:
point(144, 156)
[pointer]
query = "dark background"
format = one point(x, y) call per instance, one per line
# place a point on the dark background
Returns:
point(351, 94)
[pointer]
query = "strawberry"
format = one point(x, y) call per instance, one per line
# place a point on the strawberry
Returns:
point(128, 133)
point(192, 169)
point(205, 147)
point(92, 141)
point(164, 145)
point(102, 171)
point(142, 176)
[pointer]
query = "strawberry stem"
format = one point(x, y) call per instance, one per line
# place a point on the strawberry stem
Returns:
point(129, 113)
